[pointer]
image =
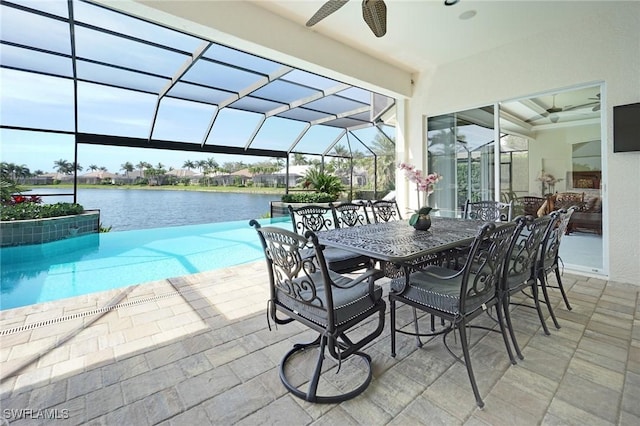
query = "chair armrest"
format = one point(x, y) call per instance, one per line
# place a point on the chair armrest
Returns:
point(433, 274)
point(370, 274)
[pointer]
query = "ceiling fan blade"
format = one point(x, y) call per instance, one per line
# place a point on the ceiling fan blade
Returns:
point(325, 10)
point(374, 13)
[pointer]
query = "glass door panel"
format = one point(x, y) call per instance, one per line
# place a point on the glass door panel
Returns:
point(461, 149)
point(548, 151)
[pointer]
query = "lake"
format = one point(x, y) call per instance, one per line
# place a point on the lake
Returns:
point(128, 209)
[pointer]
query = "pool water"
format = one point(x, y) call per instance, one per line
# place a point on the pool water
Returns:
point(98, 262)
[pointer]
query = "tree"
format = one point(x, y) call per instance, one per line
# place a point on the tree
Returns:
point(63, 167)
point(299, 159)
point(93, 167)
point(189, 165)
point(128, 168)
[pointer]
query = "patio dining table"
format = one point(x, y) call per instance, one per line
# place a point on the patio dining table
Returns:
point(399, 243)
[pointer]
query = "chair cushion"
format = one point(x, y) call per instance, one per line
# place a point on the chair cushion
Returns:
point(343, 260)
point(348, 302)
point(438, 293)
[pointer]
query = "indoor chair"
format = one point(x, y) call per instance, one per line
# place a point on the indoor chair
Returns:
point(458, 296)
point(303, 289)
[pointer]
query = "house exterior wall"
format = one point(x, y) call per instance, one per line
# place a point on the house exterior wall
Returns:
point(605, 50)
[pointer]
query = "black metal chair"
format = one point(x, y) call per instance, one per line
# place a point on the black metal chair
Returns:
point(520, 270)
point(316, 219)
point(549, 258)
point(384, 211)
point(349, 214)
point(303, 289)
point(458, 296)
point(488, 210)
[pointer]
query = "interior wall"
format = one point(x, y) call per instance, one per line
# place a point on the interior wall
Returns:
point(606, 49)
point(551, 145)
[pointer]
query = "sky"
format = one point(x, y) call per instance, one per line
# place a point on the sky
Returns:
point(39, 151)
point(46, 99)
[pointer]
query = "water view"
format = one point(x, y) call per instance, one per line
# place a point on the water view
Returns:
point(38, 273)
point(128, 209)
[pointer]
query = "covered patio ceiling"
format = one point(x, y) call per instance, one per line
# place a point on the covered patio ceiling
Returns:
point(110, 79)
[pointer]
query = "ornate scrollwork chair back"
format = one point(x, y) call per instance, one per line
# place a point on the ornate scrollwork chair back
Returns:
point(488, 210)
point(385, 211)
point(520, 269)
point(310, 218)
point(303, 289)
point(318, 218)
point(349, 214)
point(458, 296)
point(549, 258)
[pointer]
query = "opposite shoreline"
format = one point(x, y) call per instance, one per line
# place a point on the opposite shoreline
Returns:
point(33, 189)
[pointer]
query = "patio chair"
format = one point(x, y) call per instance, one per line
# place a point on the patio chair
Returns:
point(549, 258)
point(303, 289)
point(384, 210)
point(349, 214)
point(458, 296)
point(520, 270)
point(488, 210)
point(318, 218)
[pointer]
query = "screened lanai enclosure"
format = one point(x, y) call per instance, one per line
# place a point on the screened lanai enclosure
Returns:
point(81, 74)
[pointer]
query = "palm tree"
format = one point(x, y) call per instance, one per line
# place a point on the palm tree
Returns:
point(102, 168)
point(63, 167)
point(93, 167)
point(127, 167)
point(201, 164)
point(189, 165)
point(299, 159)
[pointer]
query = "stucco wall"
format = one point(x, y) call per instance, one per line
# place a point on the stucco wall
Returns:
point(607, 50)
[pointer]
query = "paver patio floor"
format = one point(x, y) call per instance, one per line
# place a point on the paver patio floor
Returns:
point(198, 350)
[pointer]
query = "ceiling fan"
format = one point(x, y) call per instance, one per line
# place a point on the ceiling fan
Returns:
point(551, 112)
point(374, 13)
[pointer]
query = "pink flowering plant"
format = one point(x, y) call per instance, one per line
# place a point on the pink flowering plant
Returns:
point(425, 184)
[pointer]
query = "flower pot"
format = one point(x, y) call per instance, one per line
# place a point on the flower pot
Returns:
point(423, 223)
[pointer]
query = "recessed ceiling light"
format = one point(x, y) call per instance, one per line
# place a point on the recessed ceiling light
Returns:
point(468, 14)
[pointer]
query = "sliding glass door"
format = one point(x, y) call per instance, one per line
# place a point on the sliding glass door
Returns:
point(461, 148)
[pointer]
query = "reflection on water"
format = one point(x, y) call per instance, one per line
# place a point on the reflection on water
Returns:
point(32, 263)
point(127, 209)
point(98, 262)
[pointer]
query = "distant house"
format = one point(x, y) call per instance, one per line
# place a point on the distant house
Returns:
point(240, 177)
point(296, 174)
point(98, 177)
point(194, 177)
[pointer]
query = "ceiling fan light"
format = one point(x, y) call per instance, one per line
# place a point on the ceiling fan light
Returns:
point(554, 117)
point(374, 13)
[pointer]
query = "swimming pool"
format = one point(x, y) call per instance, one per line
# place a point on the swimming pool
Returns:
point(98, 262)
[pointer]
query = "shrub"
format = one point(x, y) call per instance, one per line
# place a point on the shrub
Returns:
point(31, 210)
point(309, 197)
point(323, 182)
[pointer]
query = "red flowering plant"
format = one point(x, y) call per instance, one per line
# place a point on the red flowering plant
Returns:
point(425, 185)
point(19, 199)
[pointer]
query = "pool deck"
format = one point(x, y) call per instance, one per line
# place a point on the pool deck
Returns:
point(197, 350)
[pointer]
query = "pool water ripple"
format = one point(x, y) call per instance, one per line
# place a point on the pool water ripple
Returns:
point(98, 262)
